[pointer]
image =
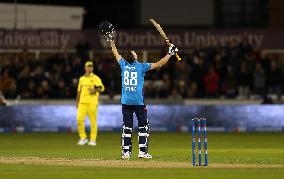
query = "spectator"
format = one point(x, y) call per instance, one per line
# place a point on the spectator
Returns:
point(231, 68)
point(44, 91)
point(30, 92)
point(2, 100)
point(267, 100)
point(259, 80)
point(149, 91)
point(274, 78)
point(244, 81)
point(230, 83)
point(8, 85)
point(197, 75)
point(192, 91)
point(165, 86)
point(175, 95)
point(182, 88)
point(244, 46)
point(211, 83)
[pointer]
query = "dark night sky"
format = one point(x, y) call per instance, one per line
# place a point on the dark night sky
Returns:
point(126, 13)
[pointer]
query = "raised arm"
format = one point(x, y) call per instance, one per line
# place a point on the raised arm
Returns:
point(106, 29)
point(160, 63)
point(172, 51)
point(114, 50)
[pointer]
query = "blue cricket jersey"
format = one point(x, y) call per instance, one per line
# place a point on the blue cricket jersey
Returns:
point(132, 81)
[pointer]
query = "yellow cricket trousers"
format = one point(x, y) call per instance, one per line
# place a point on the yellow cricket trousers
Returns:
point(90, 110)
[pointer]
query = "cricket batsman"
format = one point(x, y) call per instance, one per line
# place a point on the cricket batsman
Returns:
point(89, 88)
point(132, 100)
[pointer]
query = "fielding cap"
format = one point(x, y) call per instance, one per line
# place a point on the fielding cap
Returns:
point(89, 63)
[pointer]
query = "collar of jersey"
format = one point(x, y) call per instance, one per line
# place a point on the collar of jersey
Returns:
point(91, 74)
point(135, 61)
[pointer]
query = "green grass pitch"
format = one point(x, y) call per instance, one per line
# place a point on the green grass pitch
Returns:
point(56, 155)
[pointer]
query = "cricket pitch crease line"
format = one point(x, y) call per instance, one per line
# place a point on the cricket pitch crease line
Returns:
point(123, 163)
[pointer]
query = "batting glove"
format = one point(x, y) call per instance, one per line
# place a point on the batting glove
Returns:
point(109, 36)
point(172, 50)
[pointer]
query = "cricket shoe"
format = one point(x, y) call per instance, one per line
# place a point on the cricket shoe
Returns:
point(144, 155)
point(126, 155)
point(82, 141)
point(92, 143)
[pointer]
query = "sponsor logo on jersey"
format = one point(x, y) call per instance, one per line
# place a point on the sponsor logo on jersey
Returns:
point(130, 68)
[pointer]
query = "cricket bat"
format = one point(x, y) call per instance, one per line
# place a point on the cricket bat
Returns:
point(163, 34)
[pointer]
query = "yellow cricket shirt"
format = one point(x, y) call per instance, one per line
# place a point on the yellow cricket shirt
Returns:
point(86, 83)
